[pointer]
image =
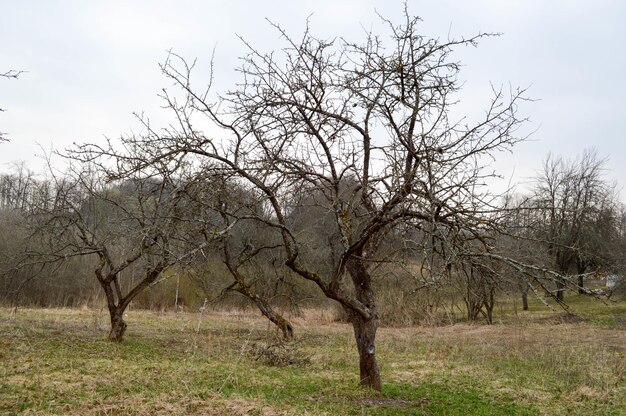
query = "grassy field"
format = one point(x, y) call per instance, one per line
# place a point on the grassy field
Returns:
point(56, 361)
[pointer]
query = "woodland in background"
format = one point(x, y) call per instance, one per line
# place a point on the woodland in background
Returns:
point(562, 227)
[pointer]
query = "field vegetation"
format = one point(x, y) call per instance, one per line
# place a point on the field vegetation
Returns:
point(57, 361)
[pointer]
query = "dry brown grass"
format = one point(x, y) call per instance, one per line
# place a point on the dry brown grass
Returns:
point(55, 361)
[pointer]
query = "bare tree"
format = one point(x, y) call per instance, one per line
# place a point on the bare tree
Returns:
point(479, 284)
point(576, 216)
point(369, 127)
point(19, 188)
point(137, 222)
point(248, 248)
point(517, 238)
point(21, 194)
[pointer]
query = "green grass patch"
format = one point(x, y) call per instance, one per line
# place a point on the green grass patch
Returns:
point(58, 362)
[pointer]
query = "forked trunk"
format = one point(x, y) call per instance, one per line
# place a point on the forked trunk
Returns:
point(116, 312)
point(118, 326)
point(365, 327)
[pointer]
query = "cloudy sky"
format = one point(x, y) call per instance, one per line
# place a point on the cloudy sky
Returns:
point(90, 65)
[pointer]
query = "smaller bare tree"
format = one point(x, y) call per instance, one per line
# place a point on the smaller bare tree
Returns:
point(574, 215)
point(246, 248)
point(134, 222)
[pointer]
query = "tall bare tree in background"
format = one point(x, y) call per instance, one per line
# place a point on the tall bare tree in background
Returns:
point(576, 217)
point(369, 128)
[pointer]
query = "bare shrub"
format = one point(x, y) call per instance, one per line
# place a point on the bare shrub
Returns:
point(278, 355)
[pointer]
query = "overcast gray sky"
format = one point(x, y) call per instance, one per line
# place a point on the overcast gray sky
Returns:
point(91, 64)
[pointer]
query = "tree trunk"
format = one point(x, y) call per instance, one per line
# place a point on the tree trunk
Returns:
point(563, 267)
point(365, 335)
point(490, 302)
point(523, 288)
point(265, 308)
point(118, 326)
point(365, 327)
point(581, 266)
point(581, 285)
point(560, 288)
point(116, 311)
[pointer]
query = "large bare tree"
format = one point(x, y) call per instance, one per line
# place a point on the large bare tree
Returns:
point(367, 127)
